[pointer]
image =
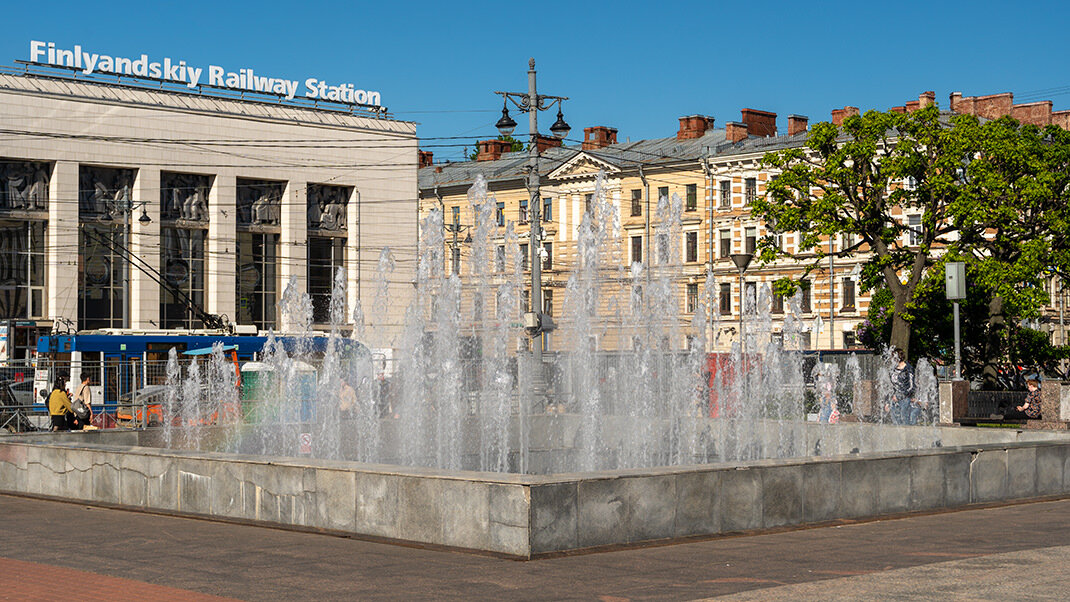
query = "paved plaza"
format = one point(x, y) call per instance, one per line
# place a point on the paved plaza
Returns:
point(54, 550)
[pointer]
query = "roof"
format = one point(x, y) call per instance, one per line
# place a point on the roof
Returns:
point(238, 106)
point(648, 153)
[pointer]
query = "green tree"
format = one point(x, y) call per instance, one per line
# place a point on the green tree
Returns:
point(845, 181)
point(1013, 221)
point(516, 146)
point(931, 319)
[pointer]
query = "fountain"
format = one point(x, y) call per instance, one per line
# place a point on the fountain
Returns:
point(643, 433)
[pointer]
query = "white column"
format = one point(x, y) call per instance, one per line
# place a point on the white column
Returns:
point(62, 243)
point(145, 240)
point(354, 287)
point(220, 282)
point(293, 243)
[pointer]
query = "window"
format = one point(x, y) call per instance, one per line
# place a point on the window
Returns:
point(499, 258)
point(102, 277)
point(182, 268)
point(548, 301)
point(725, 299)
point(726, 243)
point(22, 255)
point(257, 279)
point(751, 190)
point(523, 212)
point(663, 192)
point(750, 297)
point(778, 304)
point(525, 300)
point(548, 257)
point(847, 241)
point(637, 202)
point(547, 209)
point(914, 222)
point(691, 247)
point(751, 240)
point(662, 239)
point(804, 340)
point(524, 256)
point(325, 257)
point(455, 259)
point(692, 197)
point(456, 215)
point(499, 215)
point(477, 306)
point(804, 297)
point(588, 200)
point(849, 340)
point(691, 298)
point(637, 249)
point(726, 194)
point(848, 294)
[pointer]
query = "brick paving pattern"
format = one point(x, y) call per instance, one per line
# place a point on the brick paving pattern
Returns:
point(258, 563)
point(32, 581)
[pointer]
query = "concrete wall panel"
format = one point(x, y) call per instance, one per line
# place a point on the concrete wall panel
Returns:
point(531, 515)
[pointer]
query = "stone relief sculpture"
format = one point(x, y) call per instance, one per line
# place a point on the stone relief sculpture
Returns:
point(327, 206)
point(184, 196)
point(103, 190)
point(259, 202)
point(24, 185)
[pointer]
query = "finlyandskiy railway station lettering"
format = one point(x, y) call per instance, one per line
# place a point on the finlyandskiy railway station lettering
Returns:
point(46, 53)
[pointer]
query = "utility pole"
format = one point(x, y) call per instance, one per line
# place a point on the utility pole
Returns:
point(535, 321)
point(832, 296)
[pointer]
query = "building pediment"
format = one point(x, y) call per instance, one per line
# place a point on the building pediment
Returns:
point(581, 166)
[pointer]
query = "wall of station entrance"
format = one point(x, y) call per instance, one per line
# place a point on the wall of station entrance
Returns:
point(226, 200)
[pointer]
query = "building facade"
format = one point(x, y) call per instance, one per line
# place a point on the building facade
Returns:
point(125, 206)
point(713, 174)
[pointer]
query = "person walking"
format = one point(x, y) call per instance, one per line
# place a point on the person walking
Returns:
point(83, 395)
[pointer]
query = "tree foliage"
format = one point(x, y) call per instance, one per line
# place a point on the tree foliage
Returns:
point(1013, 222)
point(846, 181)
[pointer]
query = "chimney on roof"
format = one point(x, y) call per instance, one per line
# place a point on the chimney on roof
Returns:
point(759, 123)
point(598, 137)
point(424, 159)
point(797, 124)
point(838, 115)
point(735, 131)
point(953, 100)
point(438, 169)
point(544, 142)
point(492, 150)
point(1035, 113)
point(926, 99)
point(694, 126)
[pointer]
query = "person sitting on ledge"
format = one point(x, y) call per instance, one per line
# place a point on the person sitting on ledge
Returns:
point(1031, 406)
point(59, 408)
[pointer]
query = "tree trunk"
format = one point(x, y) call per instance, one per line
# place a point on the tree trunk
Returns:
point(993, 343)
point(900, 338)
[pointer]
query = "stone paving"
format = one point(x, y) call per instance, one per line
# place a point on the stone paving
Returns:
point(1010, 552)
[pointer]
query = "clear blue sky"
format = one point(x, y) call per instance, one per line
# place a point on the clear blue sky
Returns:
point(635, 66)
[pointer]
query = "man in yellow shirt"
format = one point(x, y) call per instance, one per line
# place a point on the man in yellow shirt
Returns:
point(59, 408)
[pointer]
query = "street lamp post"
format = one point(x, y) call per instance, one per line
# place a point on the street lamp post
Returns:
point(742, 261)
point(531, 103)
